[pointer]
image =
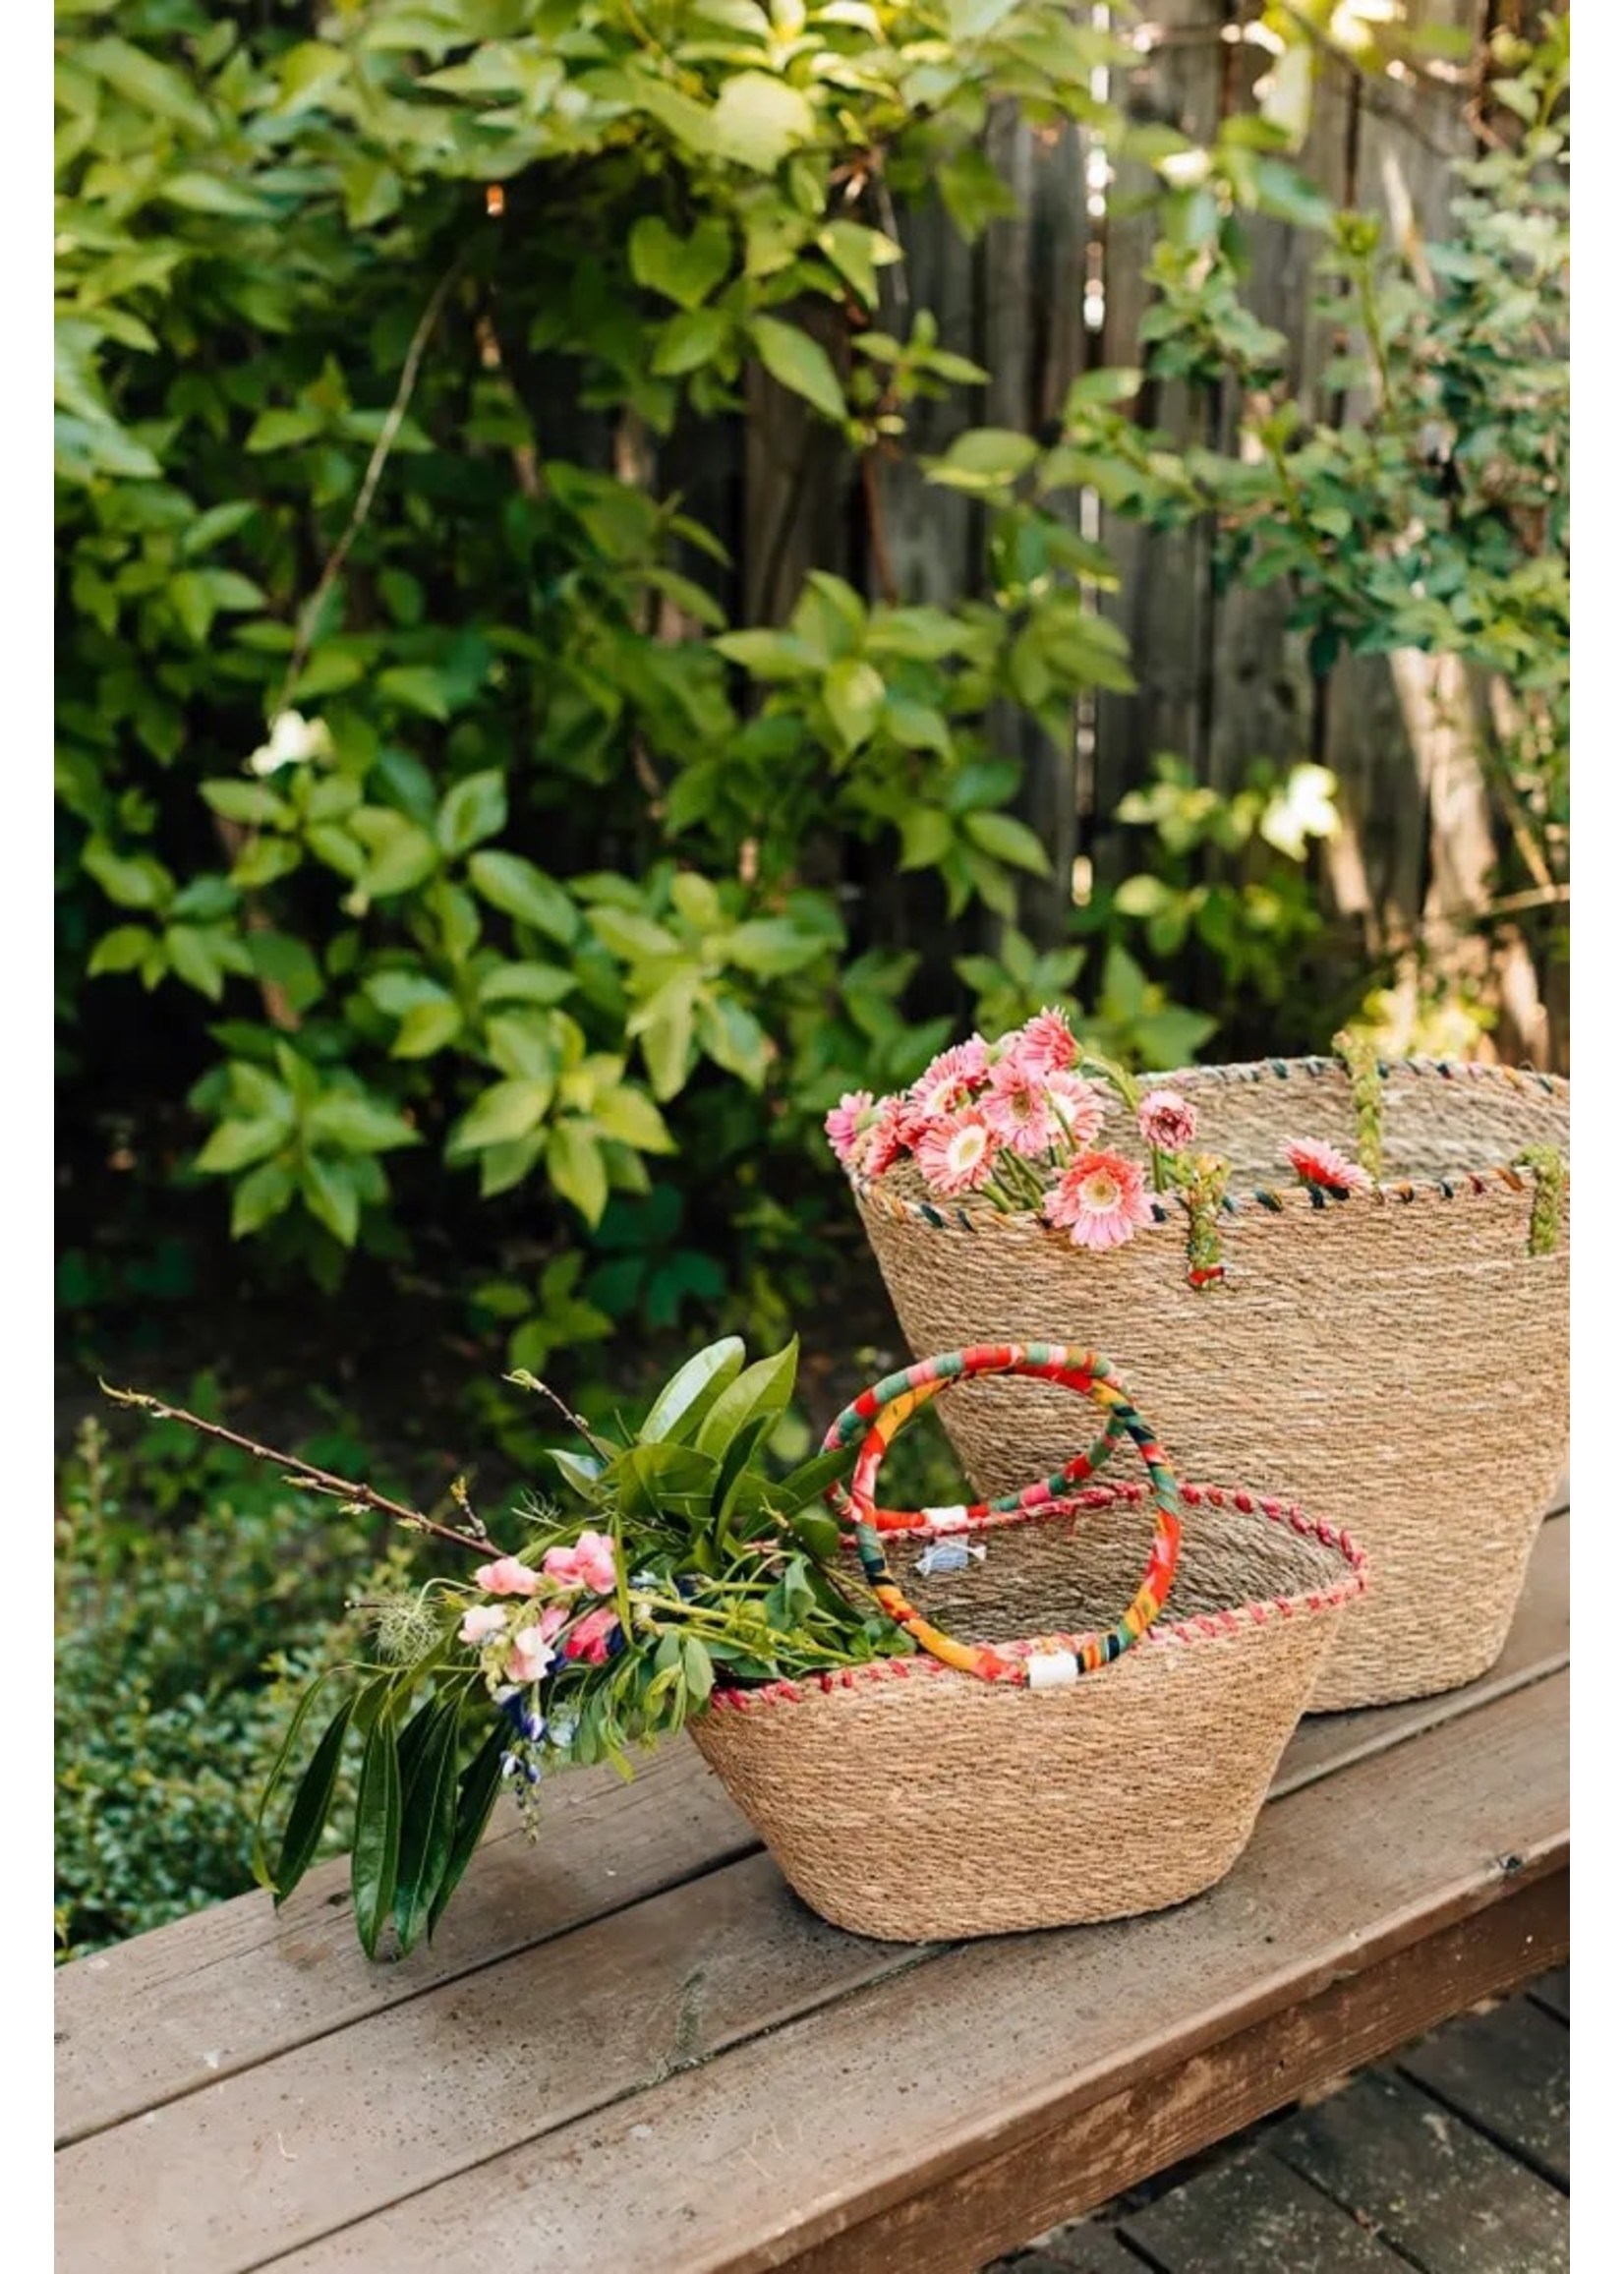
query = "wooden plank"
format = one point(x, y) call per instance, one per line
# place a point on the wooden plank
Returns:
point(1253, 2212)
point(947, 2114)
point(1506, 2073)
point(197, 2000)
point(1430, 2185)
point(333, 2129)
point(181, 2008)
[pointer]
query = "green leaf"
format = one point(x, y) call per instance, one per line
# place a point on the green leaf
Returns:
point(695, 337)
point(575, 1168)
point(237, 1144)
point(154, 88)
point(213, 194)
point(355, 1125)
point(284, 430)
point(408, 856)
point(476, 1792)
point(499, 1114)
point(854, 695)
point(762, 1390)
point(733, 1038)
point(973, 19)
point(1009, 840)
point(691, 1391)
point(262, 1194)
point(331, 1196)
point(472, 809)
point(260, 1860)
point(192, 956)
point(771, 945)
point(632, 1119)
point(685, 270)
point(808, 1482)
point(544, 983)
point(428, 1832)
point(697, 1670)
point(426, 1029)
point(311, 1804)
point(799, 363)
point(519, 889)
point(374, 1854)
point(759, 120)
point(985, 458)
point(123, 948)
point(419, 688)
point(578, 1470)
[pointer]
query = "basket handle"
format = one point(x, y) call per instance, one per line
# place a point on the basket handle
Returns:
point(881, 1412)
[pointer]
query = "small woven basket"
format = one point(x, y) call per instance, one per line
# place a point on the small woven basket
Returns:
point(1057, 1768)
point(1376, 1355)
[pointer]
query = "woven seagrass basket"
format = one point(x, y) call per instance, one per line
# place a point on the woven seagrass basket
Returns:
point(1058, 1767)
point(1397, 1359)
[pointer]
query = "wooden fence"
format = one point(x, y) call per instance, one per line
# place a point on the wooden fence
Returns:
point(1060, 289)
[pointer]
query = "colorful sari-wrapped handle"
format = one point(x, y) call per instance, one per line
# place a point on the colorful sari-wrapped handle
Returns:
point(880, 1413)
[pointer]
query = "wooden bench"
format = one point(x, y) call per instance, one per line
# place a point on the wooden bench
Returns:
point(633, 2048)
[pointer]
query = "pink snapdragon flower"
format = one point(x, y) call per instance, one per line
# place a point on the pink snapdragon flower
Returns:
point(480, 1624)
point(589, 1563)
point(959, 1152)
point(1044, 1046)
point(1017, 1109)
point(1167, 1121)
point(1077, 1105)
point(1100, 1199)
point(508, 1576)
point(1318, 1164)
point(589, 1639)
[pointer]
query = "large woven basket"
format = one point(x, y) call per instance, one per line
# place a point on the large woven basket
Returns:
point(1035, 1777)
point(1397, 1359)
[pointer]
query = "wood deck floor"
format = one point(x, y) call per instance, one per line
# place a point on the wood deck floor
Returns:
point(1450, 2158)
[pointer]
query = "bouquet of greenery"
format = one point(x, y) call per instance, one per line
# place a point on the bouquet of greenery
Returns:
point(688, 1564)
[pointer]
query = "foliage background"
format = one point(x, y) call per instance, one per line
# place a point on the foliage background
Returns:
point(521, 754)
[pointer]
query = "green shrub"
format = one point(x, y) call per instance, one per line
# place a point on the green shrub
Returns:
point(180, 1642)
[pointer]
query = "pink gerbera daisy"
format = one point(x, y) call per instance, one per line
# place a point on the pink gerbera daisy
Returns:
point(846, 1123)
point(893, 1131)
point(1167, 1121)
point(1318, 1164)
point(957, 1154)
point(1100, 1199)
point(1044, 1046)
point(1016, 1108)
point(1077, 1105)
point(952, 1080)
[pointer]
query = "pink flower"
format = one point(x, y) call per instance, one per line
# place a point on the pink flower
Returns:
point(589, 1563)
point(589, 1639)
point(480, 1623)
point(1017, 1109)
point(1076, 1104)
point(1101, 1198)
point(533, 1653)
point(1044, 1046)
point(846, 1124)
point(952, 1080)
point(957, 1153)
point(892, 1133)
point(508, 1576)
point(1318, 1164)
point(531, 1656)
point(1167, 1121)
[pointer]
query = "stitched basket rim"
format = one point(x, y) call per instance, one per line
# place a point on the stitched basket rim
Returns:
point(1200, 1628)
point(1501, 1179)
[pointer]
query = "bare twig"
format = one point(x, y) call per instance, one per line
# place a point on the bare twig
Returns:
point(305, 1472)
point(375, 464)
